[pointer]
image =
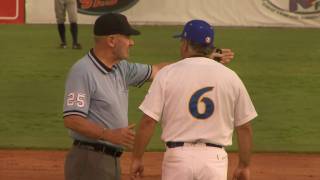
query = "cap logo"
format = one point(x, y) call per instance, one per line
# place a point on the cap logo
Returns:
point(208, 40)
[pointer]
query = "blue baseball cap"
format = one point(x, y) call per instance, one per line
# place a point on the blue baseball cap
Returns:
point(198, 31)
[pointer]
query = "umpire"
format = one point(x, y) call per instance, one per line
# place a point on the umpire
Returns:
point(96, 101)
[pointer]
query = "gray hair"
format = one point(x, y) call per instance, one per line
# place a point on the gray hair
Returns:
point(201, 49)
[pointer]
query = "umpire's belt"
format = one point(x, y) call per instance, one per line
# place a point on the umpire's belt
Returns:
point(106, 149)
point(172, 144)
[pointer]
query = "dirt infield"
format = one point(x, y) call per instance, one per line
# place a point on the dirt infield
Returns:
point(48, 165)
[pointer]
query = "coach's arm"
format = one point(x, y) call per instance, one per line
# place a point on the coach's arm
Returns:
point(244, 133)
point(144, 134)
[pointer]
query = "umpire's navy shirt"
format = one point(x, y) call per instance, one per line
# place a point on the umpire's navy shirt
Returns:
point(100, 94)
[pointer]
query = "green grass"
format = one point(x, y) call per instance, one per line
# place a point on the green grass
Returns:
point(280, 68)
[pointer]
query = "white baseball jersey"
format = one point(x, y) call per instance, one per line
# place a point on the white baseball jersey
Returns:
point(198, 99)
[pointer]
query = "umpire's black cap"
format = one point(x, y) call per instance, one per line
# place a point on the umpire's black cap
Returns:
point(113, 23)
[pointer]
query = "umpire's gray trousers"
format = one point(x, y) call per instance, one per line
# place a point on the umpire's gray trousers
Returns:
point(84, 164)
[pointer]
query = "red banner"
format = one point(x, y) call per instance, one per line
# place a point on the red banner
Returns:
point(12, 11)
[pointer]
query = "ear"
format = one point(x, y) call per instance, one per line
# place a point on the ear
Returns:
point(111, 41)
point(184, 45)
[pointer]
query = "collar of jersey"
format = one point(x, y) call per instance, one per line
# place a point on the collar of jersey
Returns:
point(99, 64)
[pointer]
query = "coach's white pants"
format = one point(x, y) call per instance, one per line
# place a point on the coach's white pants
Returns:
point(195, 162)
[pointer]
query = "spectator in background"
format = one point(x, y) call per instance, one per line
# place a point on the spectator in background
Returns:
point(61, 7)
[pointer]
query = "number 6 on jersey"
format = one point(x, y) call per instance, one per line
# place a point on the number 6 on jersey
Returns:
point(195, 99)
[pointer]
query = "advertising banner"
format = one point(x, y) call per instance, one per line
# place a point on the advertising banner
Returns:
point(294, 9)
point(257, 13)
point(98, 7)
point(12, 11)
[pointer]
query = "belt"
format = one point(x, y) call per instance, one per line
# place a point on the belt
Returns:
point(104, 148)
point(172, 144)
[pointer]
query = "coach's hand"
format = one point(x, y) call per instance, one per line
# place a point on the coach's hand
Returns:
point(241, 173)
point(136, 169)
point(121, 136)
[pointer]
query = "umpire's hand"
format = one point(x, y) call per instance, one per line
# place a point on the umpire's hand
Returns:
point(224, 56)
point(121, 136)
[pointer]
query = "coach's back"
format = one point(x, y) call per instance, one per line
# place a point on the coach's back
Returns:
point(203, 101)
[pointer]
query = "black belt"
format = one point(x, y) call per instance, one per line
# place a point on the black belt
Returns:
point(106, 149)
point(171, 144)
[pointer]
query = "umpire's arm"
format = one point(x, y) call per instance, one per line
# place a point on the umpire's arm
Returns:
point(156, 68)
point(226, 57)
point(244, 133)
point(121, 136)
